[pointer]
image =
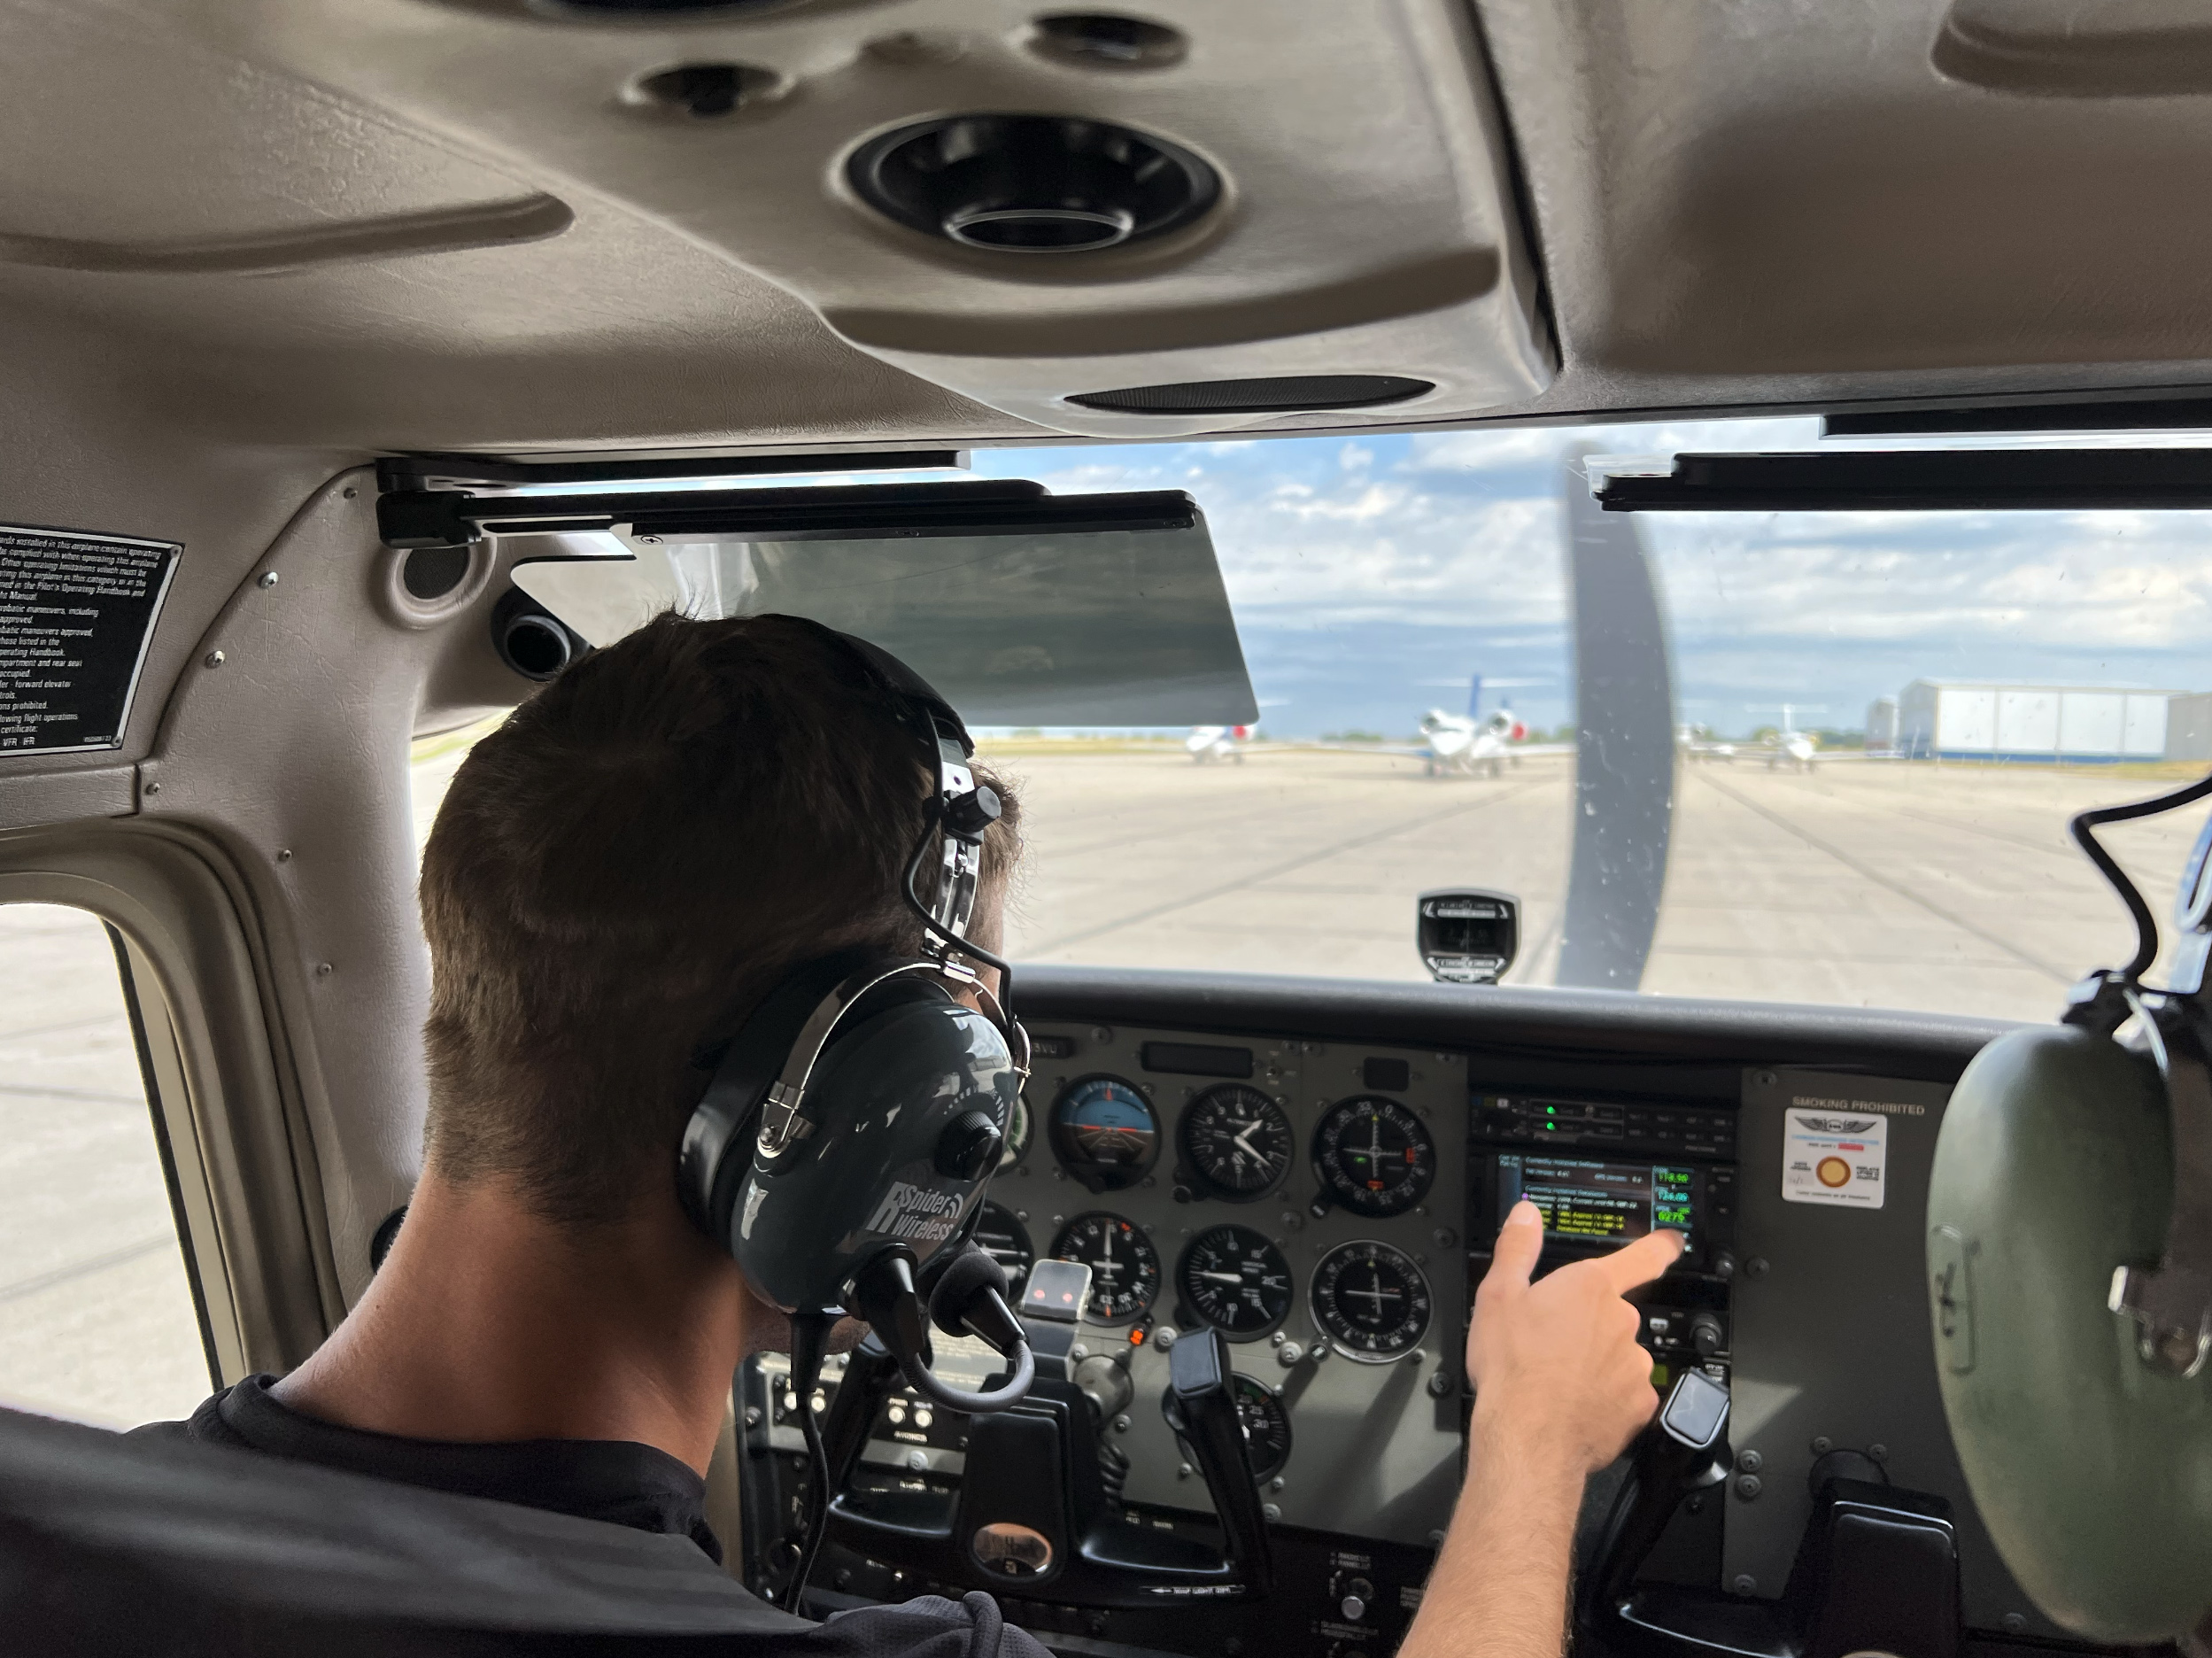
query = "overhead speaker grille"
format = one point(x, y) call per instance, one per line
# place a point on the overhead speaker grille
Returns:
point(1280, 394)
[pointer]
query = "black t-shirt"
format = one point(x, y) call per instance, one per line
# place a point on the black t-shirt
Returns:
point(619, 1482)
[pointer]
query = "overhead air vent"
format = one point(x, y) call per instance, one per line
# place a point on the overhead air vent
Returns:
point(1281, 395)
point(1032, 183)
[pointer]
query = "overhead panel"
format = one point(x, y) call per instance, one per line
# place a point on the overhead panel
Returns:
point(1107, 225)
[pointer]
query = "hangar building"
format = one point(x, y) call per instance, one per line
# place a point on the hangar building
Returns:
point(1963, 720)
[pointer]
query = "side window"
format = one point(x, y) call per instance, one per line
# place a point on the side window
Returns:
point(97, 1319)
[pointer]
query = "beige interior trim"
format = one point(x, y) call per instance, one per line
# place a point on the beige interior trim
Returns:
point(230, 1093)
point(442, 230)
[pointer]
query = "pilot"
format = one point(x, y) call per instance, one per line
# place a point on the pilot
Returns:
point(623, 867)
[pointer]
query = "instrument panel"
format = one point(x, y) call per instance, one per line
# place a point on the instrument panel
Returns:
point(1302, 1197)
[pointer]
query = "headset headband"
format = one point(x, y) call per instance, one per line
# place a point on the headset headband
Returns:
point(960, 809)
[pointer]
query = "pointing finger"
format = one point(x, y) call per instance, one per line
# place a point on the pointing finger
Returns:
point(1643, 1260)
point(1519, 1241)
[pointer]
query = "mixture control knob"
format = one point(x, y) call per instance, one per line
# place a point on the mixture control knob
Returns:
point(1705, 1335)
point(1358, 1595)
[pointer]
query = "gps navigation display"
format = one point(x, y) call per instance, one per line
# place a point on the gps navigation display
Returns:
point(1585, 1201)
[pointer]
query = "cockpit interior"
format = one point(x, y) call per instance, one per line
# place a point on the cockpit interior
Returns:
point(1193, 394)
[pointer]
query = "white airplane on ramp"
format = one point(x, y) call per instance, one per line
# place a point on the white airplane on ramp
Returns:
point(1475, 744)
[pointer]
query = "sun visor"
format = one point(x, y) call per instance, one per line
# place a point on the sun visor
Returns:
point(1067, 623)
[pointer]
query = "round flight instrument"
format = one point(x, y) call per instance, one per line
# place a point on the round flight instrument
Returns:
point(1238, 1140)
point(1375, 1156)
point(1105, 1133)
point(1371, 1301)
point(1261, 1414)
point(1125, 1266)
point(1236, 1281)
point(1000, 1233)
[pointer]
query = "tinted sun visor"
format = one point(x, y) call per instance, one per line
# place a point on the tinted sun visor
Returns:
point(1052, 610)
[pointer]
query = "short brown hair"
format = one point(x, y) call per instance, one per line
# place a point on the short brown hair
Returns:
point(622, 869)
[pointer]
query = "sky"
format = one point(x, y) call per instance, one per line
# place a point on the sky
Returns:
point(1372, 577)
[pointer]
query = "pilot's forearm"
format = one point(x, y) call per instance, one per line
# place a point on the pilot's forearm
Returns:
point(1500, 1586)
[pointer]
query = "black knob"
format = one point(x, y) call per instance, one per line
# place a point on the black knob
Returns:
point(1705, 1335)
point(968, 816)
point(969, 1146)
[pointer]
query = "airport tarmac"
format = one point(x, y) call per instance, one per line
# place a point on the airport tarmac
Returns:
point(1948, 888)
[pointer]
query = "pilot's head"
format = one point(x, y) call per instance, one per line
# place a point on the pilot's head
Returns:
point(620, 871)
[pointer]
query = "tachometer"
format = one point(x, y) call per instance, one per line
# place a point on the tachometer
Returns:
point(1236, 1281)
point(1371, 1301)
point(1105, 1133)
point(1001, 1236)
point(1375, 1156)
point(1238, 1141)
point(1125, 1266)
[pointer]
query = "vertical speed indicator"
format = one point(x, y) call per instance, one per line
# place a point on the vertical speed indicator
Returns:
point(1375, 1156)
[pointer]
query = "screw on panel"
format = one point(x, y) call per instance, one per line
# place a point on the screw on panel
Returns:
point(1748, 1486)
point(322, 970)
point(1765, 1078)
point(153, 789)
point(1756, 1267)
point(2014, 1622)
point(268, 579)
point(1750, 1461)
point(1822, 1445)
point(351, 492)
point(1439, 1385)
point(1879, 1452)
point(215, 659)
point(1746, 1584)
point(1435, 1539)
point(1274, 1511)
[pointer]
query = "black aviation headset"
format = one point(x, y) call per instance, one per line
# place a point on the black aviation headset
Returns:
point(842, 1148)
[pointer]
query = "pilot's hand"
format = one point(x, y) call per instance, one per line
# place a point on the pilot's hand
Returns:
point(1557, 1369)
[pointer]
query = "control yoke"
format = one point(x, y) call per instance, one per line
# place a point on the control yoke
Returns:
point(1037, 1510)
point(1877, 1570)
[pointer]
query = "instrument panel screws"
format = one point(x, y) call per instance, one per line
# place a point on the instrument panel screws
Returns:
point(1276, 1483)
point(1879, 1452)
point(1439, 1385)
point(1274, 1511)
point(1276, 1340)
point(1822, 1445)
point(1435, 1539)
point(1288, 1354)
point(283, 855)
point(1182, 1471)
point(1100, 1034)
point(322, 970)
point(215, 659)
point(1750, 1461)
point(1748, 1486)
point(1765, 1078)
point(1444, 1237)
point(2014, 1622)
point(1755, 1268)
point(1746, 1584)
point(268, 579)
point(350, 493)
point(1163, 1337)
point(153, 789)
point(1121, 1424)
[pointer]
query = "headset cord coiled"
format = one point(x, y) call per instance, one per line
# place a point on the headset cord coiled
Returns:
point(2145, 924)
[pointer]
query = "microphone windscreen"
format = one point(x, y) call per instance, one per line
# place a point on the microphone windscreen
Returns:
point(973, 1271)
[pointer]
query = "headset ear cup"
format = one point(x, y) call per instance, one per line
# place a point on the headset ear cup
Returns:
point(717, 1143)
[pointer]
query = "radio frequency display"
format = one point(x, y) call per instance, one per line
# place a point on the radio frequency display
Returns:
point(1585, 1201)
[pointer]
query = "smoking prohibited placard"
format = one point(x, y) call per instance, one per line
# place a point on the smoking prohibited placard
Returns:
point(1833, 1157)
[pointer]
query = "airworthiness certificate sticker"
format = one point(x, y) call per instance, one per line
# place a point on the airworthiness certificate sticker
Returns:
point(1835, 1157)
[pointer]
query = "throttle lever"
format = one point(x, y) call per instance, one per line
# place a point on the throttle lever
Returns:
point(1203, 1409)
point(1685, 1449)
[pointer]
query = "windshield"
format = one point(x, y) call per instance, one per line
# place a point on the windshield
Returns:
point(1822, 758)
